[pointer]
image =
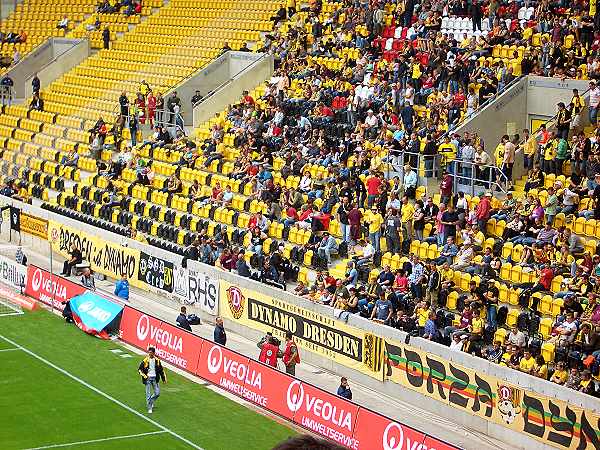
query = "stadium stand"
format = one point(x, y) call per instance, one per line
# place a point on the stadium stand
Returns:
point(32, 22)
point(90, 92)
point(290, 182)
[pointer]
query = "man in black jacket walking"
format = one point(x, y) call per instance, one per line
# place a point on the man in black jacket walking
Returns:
point(152, 372)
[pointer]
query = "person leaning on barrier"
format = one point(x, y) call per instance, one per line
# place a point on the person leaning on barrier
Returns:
point(344, 390)
point(87, 279)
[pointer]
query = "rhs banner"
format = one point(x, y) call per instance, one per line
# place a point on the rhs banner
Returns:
point(94, 314)
point(50, 289)
point(198, 289)
point(551, 421)
point(315, 332)
point(104, 257)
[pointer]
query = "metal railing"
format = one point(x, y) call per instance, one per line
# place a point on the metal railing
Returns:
point(162, 117)
point(224, 84)
point(432, 164)
point(468, 176)
point(7, 95)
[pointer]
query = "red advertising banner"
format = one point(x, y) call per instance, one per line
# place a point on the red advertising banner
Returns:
point(316, 410)
point(251, 380)
point(50, 289)
point(323, 413)
point(375, 431)
point(273, 384)
point(173, 345)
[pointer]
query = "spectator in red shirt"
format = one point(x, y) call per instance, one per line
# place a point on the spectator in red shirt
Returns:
point(247, 98)
point(326, 111)
point(446, 188)
point(373, 183)
point(482, 211)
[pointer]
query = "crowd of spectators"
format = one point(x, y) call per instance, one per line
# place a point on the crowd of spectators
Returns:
point(334, 127)
point(127, 7)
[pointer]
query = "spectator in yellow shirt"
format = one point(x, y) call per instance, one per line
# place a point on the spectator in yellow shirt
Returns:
point(541, 368)
point(550, 149)
point(529, 149)
point(476, 329)
point(375, 220)
point(422, 314)
point(560, 375)
point(407, 213)
point(527, 363)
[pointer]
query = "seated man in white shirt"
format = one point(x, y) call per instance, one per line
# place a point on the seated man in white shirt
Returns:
point(464, 257)
point(63, 24)
point(367, 250)
point(566, 332)
point(371, 124)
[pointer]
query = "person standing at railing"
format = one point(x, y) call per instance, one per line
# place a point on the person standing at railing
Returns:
point(529, 148)
point(576, 107)
point(172, 102)
point(594, 102)
point(151, 104)
point(548, 165)
point(508, 159)
point(160, 109)
point(563, 121)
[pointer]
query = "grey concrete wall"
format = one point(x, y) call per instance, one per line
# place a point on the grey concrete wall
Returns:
point(219, 74)
point(68, 53)
point(205, 80)
point(7, 7)
point(247, 70)
point(491, 122)
point(50, 60)
point(515, 440)
point(544, 93)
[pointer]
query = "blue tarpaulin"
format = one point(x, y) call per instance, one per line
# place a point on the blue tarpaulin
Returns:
point(93, 313)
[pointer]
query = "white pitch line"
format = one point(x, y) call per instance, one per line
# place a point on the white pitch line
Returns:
point(93, 441)
point(11, 314)
point(9, 349)
point(103, 394)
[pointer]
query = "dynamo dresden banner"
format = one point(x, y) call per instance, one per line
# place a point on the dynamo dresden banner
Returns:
point(551, 421)
point(104, 257)
point(312, 331)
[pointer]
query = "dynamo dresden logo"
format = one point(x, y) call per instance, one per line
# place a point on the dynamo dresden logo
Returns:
point(236, 301)
point(393, 437)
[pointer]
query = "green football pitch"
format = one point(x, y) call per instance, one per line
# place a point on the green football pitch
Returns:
point(61, 388)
